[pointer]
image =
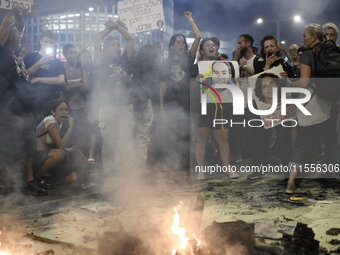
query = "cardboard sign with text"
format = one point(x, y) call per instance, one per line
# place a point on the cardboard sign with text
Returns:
point(9, 4)
point(141, 15)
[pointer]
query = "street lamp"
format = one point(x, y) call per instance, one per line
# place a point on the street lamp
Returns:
point(296, 18)
point(259, 21)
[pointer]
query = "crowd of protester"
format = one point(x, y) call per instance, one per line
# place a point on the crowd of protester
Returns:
point(136, 106)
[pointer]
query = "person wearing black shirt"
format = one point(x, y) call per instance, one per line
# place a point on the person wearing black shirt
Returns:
point(12, 112)
point(46, 72)
point(114, 94)
point(270, 56)
point(175, 97)
point(207, 52)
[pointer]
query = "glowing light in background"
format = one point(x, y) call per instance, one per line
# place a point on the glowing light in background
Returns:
point(297, 18)
point(259, 21)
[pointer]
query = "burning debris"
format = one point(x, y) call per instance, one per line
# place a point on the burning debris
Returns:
point(185, 245)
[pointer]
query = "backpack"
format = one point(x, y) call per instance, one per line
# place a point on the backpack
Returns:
point(327, 67)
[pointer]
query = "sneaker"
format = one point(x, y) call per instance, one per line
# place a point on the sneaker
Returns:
point(255, 175)
point(233, 175)
point(33, 188)
point(91, 160)
point(291, 188)
point(46, 183)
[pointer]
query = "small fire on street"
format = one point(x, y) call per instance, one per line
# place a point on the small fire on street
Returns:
point(185, 245)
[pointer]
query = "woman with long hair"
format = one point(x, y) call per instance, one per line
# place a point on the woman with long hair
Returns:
point(56, 154)
point(175, 97)
point(207, 52)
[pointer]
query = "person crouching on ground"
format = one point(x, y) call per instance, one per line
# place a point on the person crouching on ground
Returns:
point(56, 156)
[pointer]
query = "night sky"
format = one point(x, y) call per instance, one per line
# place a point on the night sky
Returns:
point(227, 19)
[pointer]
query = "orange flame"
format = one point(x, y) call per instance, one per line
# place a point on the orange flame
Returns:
point(1, 251)
point(198, 241)
point(180, 233)
point(4, 253)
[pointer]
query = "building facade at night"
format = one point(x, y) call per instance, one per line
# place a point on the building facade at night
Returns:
point(79, 21)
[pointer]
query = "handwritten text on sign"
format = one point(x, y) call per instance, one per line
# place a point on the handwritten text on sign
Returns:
point(141, 15)
point(9, 4)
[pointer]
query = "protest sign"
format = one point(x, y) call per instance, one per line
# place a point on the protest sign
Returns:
point(141, 15)
point(9, 4)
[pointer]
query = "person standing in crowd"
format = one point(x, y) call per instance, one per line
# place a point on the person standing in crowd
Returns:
point(295, 59)
point(114, 94)
point(244, 54)
point(76, 94)
point(146, 81)
point(175, 97)
point(218, 44)
point(270, 56)
point(331, 31)
point(275, 141)
point(207, 52)
point(46, 72)
point(320, 122)
point(14, 113)
point(86, 65)
point(156, 152)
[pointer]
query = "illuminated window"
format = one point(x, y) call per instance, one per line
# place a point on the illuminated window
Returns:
point(70, 37)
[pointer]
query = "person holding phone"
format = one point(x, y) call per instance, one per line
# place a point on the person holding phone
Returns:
point(46, 72)
point(270, 56)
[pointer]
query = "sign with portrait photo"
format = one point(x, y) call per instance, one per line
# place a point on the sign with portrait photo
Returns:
point(263, 84)
point(216, 74)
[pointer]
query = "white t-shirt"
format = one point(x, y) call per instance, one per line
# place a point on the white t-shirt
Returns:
point(44, 141)
point(250, 63)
